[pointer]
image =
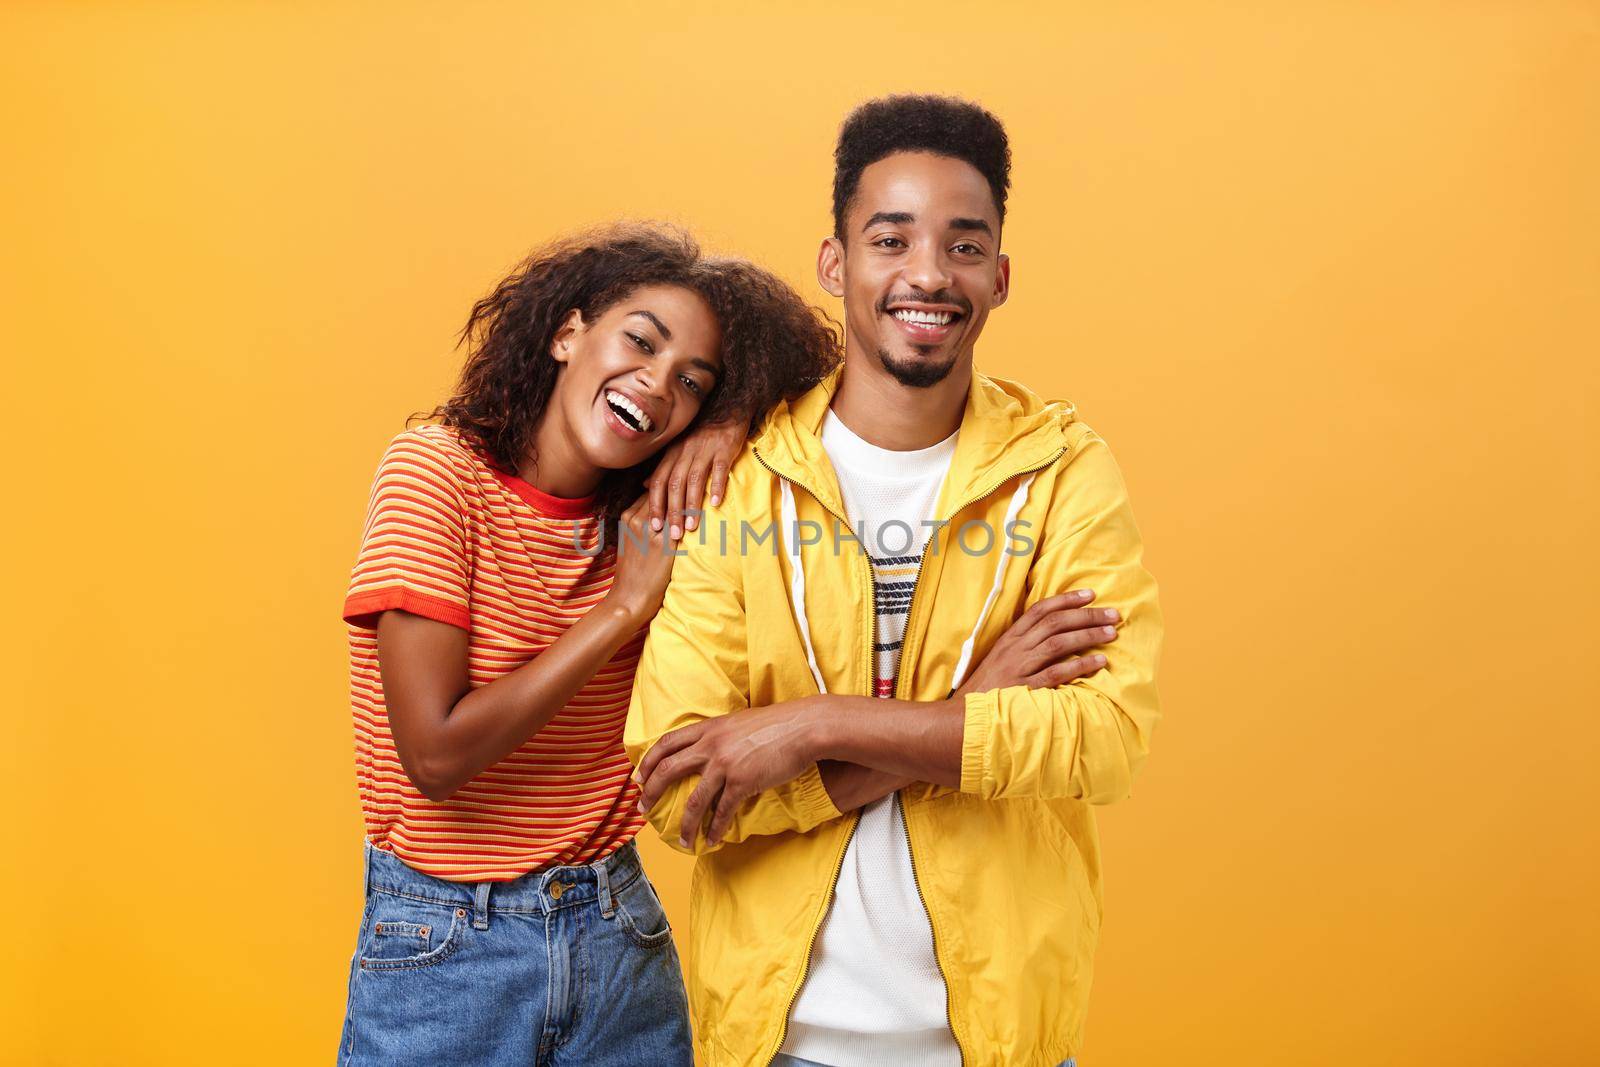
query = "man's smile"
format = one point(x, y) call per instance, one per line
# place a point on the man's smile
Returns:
point(925, 323)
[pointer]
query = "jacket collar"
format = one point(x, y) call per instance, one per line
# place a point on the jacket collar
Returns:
point(1006, 430)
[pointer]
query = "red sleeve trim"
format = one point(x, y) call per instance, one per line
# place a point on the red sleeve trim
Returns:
point(363, 609)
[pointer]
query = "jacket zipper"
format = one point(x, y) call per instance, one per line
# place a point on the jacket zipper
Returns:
point(838, 862)
point(905, 825)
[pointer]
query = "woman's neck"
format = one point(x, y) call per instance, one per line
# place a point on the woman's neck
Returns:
point(553, 466)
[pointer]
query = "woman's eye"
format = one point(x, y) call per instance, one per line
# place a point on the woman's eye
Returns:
point(641, 342)
point(694, 386)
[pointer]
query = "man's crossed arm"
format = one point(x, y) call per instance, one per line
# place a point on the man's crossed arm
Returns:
point(1039, 717)
point(866, 747)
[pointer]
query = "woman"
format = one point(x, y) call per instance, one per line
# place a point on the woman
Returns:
point(495, 622)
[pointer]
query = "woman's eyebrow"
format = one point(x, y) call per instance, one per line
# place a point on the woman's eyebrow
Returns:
point(666, 333)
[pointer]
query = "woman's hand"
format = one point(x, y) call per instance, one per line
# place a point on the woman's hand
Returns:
point(1041, 650)
point(679, 481)
point(644, 564)
point(447, 731)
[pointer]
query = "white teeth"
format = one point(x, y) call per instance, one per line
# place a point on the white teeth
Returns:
point(617, 400)
point(923, 318)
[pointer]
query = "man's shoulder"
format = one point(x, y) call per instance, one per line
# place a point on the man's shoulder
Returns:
point(1010, 398)
point(1080, 436)
point(750, 484)
point(1087, 480)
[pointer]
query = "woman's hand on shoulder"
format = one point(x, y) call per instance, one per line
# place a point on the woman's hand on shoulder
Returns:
point(692, 468)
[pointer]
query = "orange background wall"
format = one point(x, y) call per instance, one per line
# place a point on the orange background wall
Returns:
point(1324, 274)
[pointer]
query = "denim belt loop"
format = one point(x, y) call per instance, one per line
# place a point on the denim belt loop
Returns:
point(602, 880)
point(480, 907)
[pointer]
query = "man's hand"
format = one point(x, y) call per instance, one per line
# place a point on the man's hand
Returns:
point(736, 756)
point(895, 742)
point(696, 462)
point(1041, 650)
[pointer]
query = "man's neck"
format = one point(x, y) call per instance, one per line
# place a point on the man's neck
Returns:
point(902, 418)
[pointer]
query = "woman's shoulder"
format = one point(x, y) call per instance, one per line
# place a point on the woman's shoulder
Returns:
point(438, 452)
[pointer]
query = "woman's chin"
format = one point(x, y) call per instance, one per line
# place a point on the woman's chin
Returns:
point(616, 455)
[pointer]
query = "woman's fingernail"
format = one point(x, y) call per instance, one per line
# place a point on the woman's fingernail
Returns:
point(1097, 660)
point(655, 524)
point(675, 533)
point(715, 499)
point(691, 522)
point(1108, 631)
point(1112, 614)
point(684, 841)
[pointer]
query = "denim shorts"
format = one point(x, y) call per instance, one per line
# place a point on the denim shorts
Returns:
point(565, 965)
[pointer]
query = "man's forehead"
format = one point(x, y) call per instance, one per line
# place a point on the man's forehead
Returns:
point(925, 187)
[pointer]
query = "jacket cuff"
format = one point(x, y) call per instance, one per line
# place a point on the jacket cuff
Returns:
point(975, 739)
point(815, 806)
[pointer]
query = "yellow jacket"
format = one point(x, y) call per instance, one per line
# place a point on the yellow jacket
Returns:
point(1008, 866)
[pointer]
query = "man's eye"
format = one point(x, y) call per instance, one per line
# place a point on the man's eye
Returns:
point(889, 242)
point(967, 249)
point(641, 342)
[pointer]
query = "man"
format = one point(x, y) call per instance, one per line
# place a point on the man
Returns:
point(898, 857)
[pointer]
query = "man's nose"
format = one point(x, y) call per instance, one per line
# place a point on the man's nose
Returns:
point(927, 269)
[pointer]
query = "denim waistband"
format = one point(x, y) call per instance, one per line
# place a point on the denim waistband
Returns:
point(545, 890)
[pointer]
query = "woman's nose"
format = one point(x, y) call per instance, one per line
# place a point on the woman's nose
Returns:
point(651, 384)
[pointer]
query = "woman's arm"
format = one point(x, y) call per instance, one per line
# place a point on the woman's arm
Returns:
point(447, 732)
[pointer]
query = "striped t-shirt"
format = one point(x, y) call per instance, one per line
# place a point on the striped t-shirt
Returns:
point(450, 537)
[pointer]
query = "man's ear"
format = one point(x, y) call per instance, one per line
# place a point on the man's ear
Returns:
point(566, 333)
point(1002, 281)
point(830, 266)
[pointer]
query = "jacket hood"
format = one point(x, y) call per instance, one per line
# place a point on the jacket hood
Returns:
point(1005, 428)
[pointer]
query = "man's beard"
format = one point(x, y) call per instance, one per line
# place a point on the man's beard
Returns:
point(916, 373)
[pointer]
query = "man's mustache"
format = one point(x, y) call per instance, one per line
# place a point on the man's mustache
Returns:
point(917, 296)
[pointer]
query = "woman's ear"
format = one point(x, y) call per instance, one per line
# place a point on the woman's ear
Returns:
point(566, 335)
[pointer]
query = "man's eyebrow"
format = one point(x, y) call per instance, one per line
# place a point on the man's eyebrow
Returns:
point(894, 218)
point(666, 333)
point(975, 225)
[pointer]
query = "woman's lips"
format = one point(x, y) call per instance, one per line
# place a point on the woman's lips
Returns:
point(614, 422)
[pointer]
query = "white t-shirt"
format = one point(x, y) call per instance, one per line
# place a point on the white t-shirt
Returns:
point(874, 994)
